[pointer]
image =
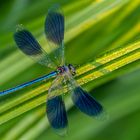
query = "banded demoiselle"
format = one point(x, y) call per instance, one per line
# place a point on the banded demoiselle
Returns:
point(56, 110)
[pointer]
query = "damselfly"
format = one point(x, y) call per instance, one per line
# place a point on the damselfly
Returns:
point(56, 111)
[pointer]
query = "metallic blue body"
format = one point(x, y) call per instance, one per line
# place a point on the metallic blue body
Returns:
point(28, 83)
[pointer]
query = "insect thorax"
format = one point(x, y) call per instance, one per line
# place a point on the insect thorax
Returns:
point(63, 69)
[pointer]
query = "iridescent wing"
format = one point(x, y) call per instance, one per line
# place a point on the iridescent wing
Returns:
point(84, 101)
point(54, 30)
point(56, 111)
point(29, 46)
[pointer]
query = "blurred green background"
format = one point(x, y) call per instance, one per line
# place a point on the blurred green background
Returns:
point(92, 28)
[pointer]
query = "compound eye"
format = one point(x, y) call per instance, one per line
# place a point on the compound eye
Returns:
point(69, 65)
point(72, 69)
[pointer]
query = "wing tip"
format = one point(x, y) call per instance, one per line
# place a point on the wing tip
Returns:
point(102, 116)
point(54, 25)
point(57, 115)
point(26, 42)
point(56, 7)
point(87, 104)
point(62, 132)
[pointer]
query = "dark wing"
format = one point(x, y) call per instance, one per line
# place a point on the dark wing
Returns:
point(29, 46)
point(54, 30)
point(84, 101)
point(56, 111)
